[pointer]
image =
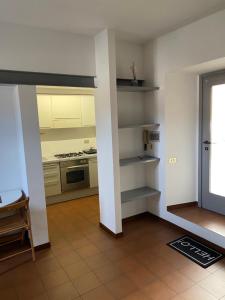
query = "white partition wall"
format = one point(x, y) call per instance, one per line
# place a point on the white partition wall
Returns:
point(30, 161)
point(107, 132)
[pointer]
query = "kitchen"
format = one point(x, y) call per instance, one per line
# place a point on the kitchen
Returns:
point(68, 142)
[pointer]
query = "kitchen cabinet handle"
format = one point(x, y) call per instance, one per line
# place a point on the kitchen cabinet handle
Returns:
point(76, 167)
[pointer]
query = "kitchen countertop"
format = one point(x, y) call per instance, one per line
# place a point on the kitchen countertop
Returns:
point(52, 159)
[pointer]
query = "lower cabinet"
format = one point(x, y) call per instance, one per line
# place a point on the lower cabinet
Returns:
point(93, 172)
point(52, 179)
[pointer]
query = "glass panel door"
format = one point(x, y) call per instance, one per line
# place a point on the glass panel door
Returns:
point(217, 148)
point(213, 143)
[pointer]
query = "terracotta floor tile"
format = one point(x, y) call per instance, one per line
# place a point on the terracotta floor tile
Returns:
point(194, 272)
point(45, 266)
point(96, 261)
point(115, 254)
point(79, 243)
point(107, 273)
point(54, 279)
point(121, 287)
point(8, 294)
point(7, 280)
point(43, 296)
point(100, 293)
point(177, 281)
point(88, 251)
point(141, 276)
point(68, 259)
point(65, 291)
point(159, 266)
point(86, 283)
point(197, 293)
point(76, 270)
point(157, 290)
point(85, 258)
point(214, 284)
point(136, 296)
point(127, 264)
point(30, 289)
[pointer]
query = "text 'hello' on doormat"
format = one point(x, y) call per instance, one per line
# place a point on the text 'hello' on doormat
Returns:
point(197, 252)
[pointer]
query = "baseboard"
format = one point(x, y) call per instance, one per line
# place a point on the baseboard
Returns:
point(68, 196)
point(106, 229)
point(182, 205)
point(42, 246)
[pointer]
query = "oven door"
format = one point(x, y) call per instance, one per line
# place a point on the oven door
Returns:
point(75, 177)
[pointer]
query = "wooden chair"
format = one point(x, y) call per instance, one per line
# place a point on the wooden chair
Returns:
point(16, 222)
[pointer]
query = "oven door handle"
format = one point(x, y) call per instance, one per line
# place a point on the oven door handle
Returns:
point(76, 167)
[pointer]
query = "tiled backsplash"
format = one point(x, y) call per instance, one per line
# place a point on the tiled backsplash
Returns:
point(67, 140)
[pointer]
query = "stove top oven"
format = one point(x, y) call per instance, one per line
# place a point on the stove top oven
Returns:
point(74, 174)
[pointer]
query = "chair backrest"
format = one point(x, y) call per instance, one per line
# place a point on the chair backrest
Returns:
point(21, 204)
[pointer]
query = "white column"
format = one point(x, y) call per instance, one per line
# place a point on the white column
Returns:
point(31, 162)
point(107, 131)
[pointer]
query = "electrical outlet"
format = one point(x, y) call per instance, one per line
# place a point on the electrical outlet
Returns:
point(154, 136)
point(172, 160)
point(86, 141)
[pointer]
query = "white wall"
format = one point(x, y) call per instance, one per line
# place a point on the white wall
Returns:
point(182, 117)
point(67, 140)
point(20, 154)
point(126, 54)
point(195, 44)
point(9, 154)
point(107, 131)
point(32, 181)
point(40, 50)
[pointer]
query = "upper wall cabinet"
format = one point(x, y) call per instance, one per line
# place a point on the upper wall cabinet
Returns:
point(44, 111)
point(88, 110)
point(66, 111)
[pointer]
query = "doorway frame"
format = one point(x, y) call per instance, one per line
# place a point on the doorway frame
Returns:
point(202, 80)
point(49, 79)
point(11, 77)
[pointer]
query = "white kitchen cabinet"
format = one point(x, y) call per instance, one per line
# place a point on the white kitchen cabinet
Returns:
point(44, 111)
point(93, 172)
point(88, 110)
point(66, 111)
point(52, 179)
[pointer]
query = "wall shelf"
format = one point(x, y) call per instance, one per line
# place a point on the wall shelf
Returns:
point(147, 125)
point(134, 194)
point(131, 88)
point(138, 159)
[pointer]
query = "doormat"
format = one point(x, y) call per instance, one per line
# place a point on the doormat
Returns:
point(197, 252)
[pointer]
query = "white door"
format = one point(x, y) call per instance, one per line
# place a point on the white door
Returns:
point(44, 111)
point(88, 110)
point(213, 143)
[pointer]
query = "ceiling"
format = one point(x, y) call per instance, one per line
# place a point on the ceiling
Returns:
point(137, 20)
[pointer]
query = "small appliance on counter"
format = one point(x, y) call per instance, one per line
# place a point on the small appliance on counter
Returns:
point(91, 150)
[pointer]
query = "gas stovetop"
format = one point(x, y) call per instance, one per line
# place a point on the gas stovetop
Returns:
point(76, 154)
point(71, 154)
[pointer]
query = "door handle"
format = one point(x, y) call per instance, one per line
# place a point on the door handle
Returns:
point(207, 142)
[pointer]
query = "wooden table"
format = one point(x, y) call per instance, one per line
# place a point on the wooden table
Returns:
point(9, 197)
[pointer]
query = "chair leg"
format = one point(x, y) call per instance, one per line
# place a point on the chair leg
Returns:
point(31, 244)
point(23, 236)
